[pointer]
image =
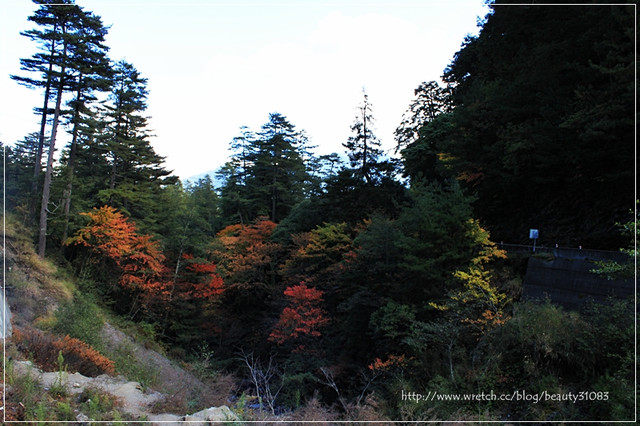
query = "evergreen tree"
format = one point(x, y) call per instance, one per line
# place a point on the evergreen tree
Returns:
point(55, 21)
point(267, 175)
point(69, 21)
point(234, 203)
point(71, 56)
point(136, 174)
point(92, 71)
point(431, 100)
point(368, 185)
point(278, 173)
point(421, 135)
point(544, 121)
point(363, 146)
point(19, 160)
point(204, 201)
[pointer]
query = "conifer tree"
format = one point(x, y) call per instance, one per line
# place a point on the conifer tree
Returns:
point(267, 175)
point(278, 173)
point(91, 72)
point(19, 160)
point(68, 31)
point(234, 203)
point(136, 172)
point(430, 101)
point(363, 146)
point(54, 20)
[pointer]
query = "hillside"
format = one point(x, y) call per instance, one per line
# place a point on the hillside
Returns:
point(35, 291)
point(145, 385)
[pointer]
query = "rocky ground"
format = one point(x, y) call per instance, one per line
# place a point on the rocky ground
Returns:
point(135, 400)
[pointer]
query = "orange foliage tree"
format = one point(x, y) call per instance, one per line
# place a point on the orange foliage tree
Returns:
point(139, 262)
point(78, 356)
point(245, 255)
point(137, 257)
point(303, 317)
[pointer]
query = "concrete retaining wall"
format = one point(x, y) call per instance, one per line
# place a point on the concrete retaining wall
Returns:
point(563, 275)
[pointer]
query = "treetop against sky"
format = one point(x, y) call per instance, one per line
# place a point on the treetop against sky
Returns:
point(214, 66)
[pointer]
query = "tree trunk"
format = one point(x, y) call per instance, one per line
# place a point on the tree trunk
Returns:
point(114, 167)
point(72, 158)
point(274, 195)
point(46, 189)
point(364, 142)
point(37, 168)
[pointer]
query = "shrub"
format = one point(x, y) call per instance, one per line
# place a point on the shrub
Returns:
point(543, 339)
point(80, 318)
point(314, 411)
point(545, 348)
point(127, 364)
point(94, 402)
point(78, 356)
point(367, 412)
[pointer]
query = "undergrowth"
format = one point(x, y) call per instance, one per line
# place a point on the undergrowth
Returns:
point(27, 401)
point(45, 349)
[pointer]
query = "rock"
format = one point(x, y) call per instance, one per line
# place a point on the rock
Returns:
point(82, 418)
point(213, 414)
point(166, 420)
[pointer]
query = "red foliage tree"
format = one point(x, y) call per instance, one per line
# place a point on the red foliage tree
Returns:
point(199, 280)
point(303, 316)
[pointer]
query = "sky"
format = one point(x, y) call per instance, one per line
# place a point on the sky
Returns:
point(214, 66)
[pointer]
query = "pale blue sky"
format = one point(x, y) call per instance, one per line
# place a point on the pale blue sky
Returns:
point(214, 66)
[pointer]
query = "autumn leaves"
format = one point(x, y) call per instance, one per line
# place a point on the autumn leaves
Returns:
point(244, 253)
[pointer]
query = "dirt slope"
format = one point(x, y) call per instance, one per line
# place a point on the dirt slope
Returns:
point(171, 379)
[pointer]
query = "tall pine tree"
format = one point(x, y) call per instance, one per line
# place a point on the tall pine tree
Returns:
point(91, 73)
point(363, 146)
point(52, 20)
point(67, 34)
point(136, 172)
point(267, 175)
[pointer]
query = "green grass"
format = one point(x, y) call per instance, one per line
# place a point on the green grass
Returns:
point(129, 366)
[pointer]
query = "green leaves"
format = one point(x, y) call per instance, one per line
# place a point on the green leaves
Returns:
point(393, 321)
